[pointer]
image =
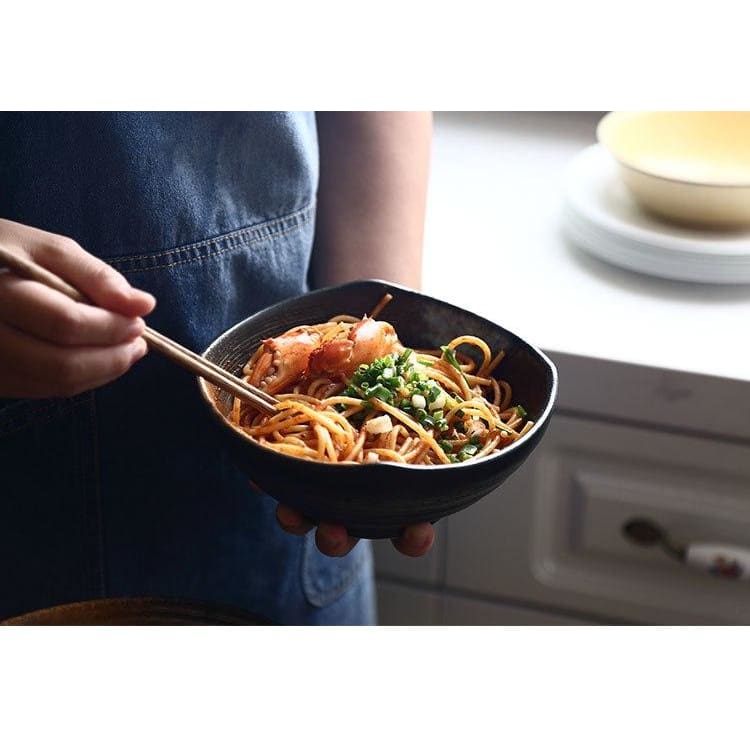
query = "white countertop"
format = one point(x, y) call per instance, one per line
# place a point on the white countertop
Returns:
point(493, 235)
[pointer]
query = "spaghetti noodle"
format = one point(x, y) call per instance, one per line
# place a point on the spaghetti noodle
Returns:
point(349, 392)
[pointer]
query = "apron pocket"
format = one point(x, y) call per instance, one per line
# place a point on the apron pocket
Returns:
point(325, 579)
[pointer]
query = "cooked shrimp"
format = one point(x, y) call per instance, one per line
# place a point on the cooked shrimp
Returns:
point(284, 359)
point(306, 351)
point(367, 341)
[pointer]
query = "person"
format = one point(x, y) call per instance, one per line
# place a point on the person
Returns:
point(112, 484)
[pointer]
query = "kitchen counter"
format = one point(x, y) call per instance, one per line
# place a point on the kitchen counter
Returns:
point(494, 245)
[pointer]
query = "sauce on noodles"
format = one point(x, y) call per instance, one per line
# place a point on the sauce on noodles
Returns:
point(350, 392)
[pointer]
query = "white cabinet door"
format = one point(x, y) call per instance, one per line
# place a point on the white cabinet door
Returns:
point(461, 610)
point(553, 533)
point(407, 605)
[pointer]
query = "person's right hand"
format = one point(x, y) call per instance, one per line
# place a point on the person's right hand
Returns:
point(52, 346)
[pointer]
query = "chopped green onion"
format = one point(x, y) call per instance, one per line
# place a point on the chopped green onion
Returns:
point(403, 358)
point(450, 357)
point(381, 392)
point(521, 411)
point(467, 451)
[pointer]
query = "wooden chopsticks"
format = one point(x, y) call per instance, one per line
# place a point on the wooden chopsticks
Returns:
point(179, 354)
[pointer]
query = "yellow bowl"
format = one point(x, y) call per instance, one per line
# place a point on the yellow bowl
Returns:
point(689, 167)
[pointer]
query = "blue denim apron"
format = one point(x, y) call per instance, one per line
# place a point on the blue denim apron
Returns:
point(122, 491)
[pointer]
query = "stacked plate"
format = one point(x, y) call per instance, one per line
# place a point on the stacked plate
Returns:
point(600, 217)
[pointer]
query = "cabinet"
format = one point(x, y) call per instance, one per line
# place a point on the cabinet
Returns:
point(548, 546)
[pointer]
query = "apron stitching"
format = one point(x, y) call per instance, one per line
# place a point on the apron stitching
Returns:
point(209, 255)
point(252, 229)
point(255, 233)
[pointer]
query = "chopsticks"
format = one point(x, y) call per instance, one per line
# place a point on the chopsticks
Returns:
point(179, 354)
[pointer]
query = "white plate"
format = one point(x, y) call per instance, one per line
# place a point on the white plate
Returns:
point(601, 217)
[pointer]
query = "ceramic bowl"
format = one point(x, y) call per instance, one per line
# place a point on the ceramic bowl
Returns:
point(378, 500)
point(687, 167)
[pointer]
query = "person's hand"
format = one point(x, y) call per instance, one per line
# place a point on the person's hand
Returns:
point(51, 346)
point(333, 540)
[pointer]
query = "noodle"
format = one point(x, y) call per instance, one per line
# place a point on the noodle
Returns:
point(349, 392)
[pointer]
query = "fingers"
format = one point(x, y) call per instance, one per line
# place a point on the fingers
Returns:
point(331, 539)
point(291, 521)
point(416, 540)
point(48, 315)
point(33, 368)
point(99, 282)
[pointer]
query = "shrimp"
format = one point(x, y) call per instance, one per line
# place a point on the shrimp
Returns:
point(299, 354)
point(367, 341)
point(284, 359)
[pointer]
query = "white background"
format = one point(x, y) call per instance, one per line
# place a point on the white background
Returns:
point(366, 688)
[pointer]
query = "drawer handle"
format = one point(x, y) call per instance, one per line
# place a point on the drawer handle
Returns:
point(721, 560)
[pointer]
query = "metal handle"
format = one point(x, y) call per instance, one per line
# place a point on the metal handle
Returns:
point(722, 560)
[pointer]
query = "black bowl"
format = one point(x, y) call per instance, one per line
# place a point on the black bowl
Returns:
point(378, 500)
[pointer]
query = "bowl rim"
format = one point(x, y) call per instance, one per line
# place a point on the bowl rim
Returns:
point(625, 162)
point(384, 465)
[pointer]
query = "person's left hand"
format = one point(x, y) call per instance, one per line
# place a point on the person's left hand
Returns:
point(334, 541)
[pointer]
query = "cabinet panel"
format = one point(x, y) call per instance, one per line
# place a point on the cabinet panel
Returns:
point(660, 398)
point(460, 610)
point(404, 605)
point(554, 534)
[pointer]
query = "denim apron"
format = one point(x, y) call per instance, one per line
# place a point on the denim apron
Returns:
point(122, 491)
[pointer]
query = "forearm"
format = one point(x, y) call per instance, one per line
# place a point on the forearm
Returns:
point(371, 199)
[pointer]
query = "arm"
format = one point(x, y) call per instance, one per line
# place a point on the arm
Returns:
point(370, 221)
point(371, 199)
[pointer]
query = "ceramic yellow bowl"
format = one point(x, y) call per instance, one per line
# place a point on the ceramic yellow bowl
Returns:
point(689, 167)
